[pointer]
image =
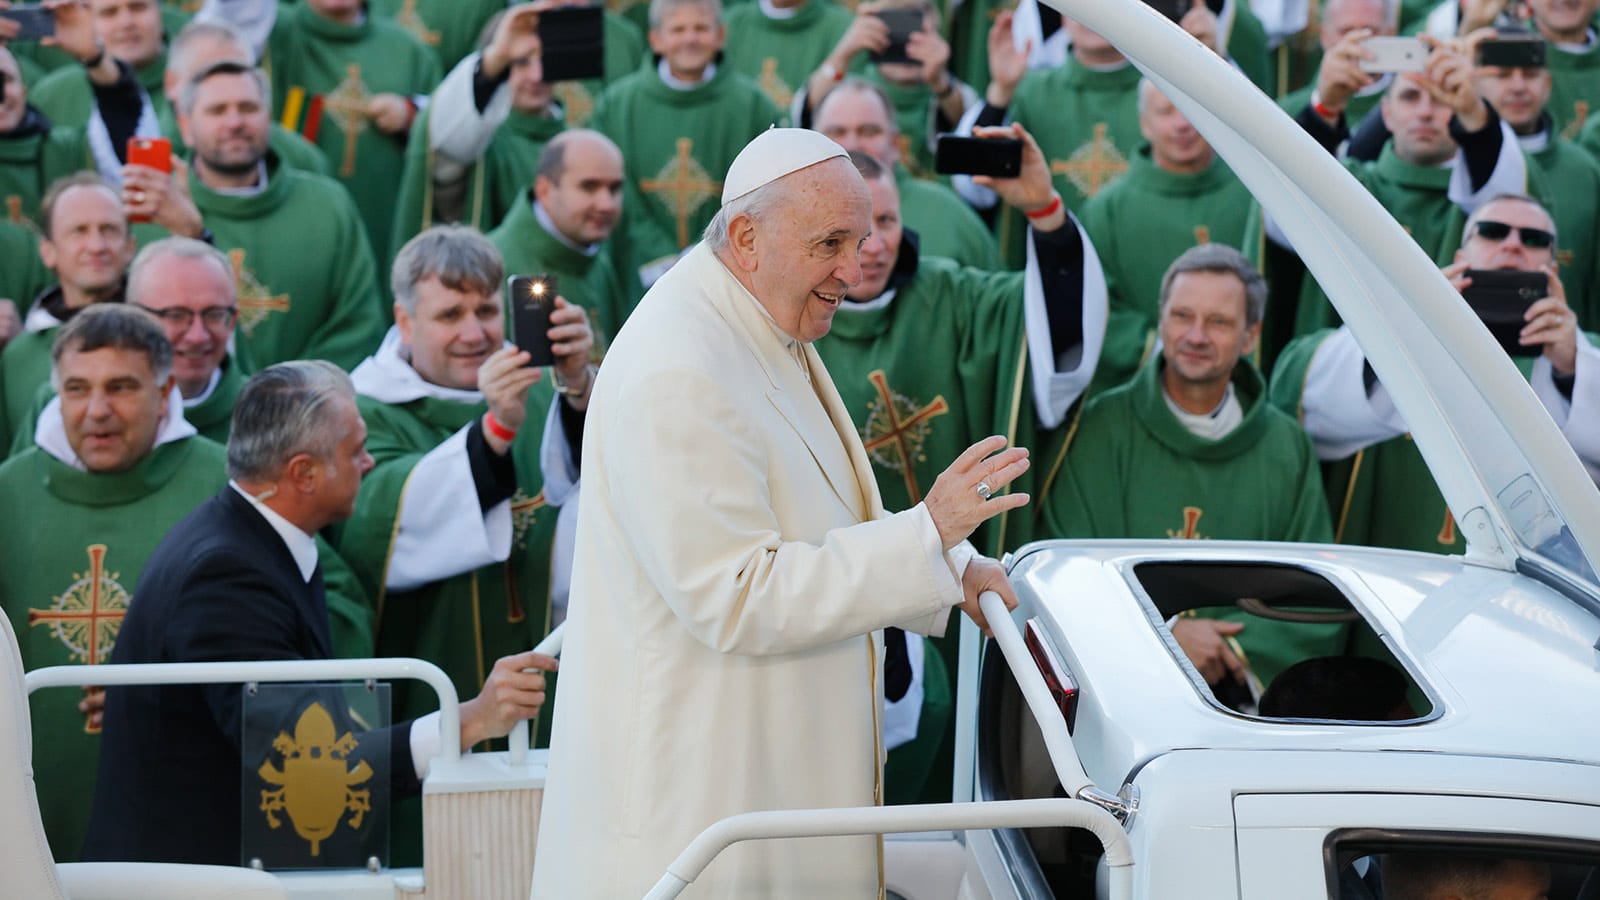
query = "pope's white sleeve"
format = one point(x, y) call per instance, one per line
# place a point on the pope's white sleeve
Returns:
point(1060, 375)
point(732, 579)
point(1579, 417)
point(443, 531)
point(457, 132)
point(1510, 175)
point(426, 742)
point(1337, 412)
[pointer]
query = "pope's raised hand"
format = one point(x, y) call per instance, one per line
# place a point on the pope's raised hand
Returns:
point(968, 493)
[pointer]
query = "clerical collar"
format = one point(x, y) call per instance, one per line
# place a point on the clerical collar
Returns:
point(1536, 142)
point(1211, 426)
point(203, 396)
point(249, 190)
point(543, 215)
point(301, 546)
point(774, 12)
point(50, 433)
point(665, 72)
point(387, 377)
point(881, 301)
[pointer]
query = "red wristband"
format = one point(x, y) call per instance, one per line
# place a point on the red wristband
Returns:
point(1047, 212)
point(498, 430)
point(1322, 109)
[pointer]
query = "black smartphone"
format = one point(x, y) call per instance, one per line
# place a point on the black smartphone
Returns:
point(1501, 298)
point(1172, 9)
point(531, 299)
point(902, 24)
point(574, 43)
point(997, 157)
point(1519, 52)
point(36, 21)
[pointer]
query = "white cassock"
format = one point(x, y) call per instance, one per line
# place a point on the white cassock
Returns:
point(734, 565)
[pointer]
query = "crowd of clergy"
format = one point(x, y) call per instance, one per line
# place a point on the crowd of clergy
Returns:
point(352, 181)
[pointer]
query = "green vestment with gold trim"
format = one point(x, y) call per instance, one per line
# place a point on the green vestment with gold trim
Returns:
point(23, 276)
point(1087, 124)
point(1139, 225)
point(308, 288)
point(946, 224)
point(344, 66)
point(780, 54)
point(1574, 88)
point(1131, 469)
point(30, 163)
point(449, 28)
point(678, 146)
point(73, 548)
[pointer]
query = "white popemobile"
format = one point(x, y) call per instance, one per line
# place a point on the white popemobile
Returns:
point(1092, 760)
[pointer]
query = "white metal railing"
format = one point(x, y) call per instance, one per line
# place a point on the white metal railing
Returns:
point(797, 823)
point(1092, 811)
point(279, 670)
point(518, 740)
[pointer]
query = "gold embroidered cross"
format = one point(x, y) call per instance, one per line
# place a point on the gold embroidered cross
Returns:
point(685, 186)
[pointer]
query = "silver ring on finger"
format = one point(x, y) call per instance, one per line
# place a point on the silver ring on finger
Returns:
point(984, 490)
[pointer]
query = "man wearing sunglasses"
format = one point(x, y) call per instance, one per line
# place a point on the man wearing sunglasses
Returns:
point(1378, 485)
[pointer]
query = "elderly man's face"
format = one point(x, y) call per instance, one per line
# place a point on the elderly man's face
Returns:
point(808, 248)
point(194, 299)
point(452, 332)
point(1509, 252)
point(1419, 123)
point(1203, 328)
point(882, 247)
point(112, 406)
point(857, 120)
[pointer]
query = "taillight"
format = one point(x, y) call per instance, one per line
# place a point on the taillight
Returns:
point(1063, 687)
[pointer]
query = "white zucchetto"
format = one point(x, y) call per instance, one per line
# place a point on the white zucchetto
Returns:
point(773, 154)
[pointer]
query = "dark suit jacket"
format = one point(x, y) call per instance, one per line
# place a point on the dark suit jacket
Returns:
point(221, 586)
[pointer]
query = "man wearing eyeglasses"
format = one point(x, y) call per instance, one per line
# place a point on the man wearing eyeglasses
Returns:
point(1378, 485)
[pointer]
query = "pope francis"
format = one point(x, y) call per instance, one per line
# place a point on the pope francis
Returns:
point(734, 564)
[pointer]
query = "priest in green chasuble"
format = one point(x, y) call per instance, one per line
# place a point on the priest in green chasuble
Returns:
point(779, 44)
point(563, 227)
point(680, 123)
point(33, 152)
point(1574, 60)
point(454, 526)
point(929, 357)
point(116, 465)
point(1177, 193)
point(1378, 485)
point(1191, 449)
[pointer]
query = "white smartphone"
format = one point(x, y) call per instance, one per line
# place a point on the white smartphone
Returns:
point(1394, 54)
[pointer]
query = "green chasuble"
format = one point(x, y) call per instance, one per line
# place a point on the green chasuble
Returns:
point(24, 374)
point(306, 281)
point(343, 66)
point(30, 163)
point(1139, 225)
point(503, 174)
point(678, 145)
point(1574, 88)
point(1087, 124)
point(66, 96)
point(1132, 470)
point(23, 275)
point(780, 54)
point(74, 545)
point(969, 39)
point(1417, 197)
point(449, 28)
point(591, 281)
point(1572, 194)
point(946, 224)
point(940, 366)
point(626, 51)
point(462, 624)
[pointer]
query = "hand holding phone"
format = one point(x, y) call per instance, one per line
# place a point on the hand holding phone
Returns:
point(574, 43)
point(1521, 51)
point(531, 299)
point(995, 157)
point(34, 21)
point(902, 24)
point(1501, 298)
point(150, 152)
point(1394, 54)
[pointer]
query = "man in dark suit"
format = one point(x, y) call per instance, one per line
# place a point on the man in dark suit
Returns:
point(238, 579)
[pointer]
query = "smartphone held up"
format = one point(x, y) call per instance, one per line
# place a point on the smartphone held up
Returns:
point(995, 157)
point(530, 299)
